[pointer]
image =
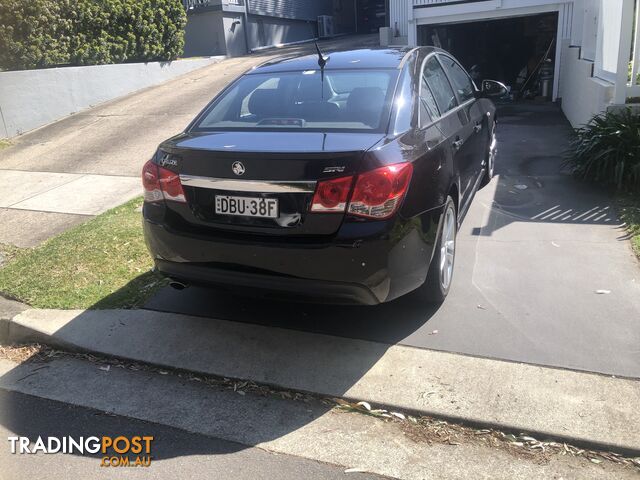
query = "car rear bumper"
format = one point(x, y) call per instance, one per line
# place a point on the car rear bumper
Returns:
point(389, 261)
point(269, 284)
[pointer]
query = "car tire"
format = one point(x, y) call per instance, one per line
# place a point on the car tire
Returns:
point(490, 158)
point(438, 283)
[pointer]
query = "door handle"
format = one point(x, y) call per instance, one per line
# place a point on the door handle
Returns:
point(457, 145)
point(477, 128)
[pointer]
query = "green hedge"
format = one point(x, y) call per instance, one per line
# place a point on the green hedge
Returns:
point(45, 33)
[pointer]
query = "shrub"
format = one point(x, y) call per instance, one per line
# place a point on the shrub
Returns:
point(45, 33)
point(607, 150)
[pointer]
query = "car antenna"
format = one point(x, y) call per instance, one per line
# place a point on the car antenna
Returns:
point(322, 61)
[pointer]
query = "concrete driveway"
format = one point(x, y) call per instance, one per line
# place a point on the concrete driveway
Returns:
point(534, 251)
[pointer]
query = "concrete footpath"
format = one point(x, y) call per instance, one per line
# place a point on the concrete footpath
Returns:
point(304, 439)
point(177, 452)
point(37, 205)
point(584, 409)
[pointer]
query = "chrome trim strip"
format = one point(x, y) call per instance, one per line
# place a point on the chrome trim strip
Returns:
point(257, 186)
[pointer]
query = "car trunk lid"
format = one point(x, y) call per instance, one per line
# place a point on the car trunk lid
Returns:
point(284, 166)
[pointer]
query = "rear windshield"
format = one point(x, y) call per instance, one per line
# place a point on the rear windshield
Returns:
point(345, 100)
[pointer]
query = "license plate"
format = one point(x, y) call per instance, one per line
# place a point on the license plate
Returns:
point(247, 206)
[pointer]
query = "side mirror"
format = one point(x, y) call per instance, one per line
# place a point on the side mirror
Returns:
point(494, 89)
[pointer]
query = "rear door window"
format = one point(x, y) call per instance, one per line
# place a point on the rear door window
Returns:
point(428, 107)
point(440, 86)
point(459, 78)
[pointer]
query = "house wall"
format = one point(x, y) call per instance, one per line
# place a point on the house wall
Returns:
point(218, 28)
point(608, 40)
point(204, 34)
point(587, 36)
point(233, 24)
point(266, 30)
point(292, 9)
point(399, 17)
point(582, 94)
point(276, 22)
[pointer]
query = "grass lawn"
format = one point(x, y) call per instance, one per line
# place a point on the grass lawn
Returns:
point(630, 213)
point(102, 263)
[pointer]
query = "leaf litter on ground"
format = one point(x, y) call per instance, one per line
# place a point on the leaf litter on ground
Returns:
point(419, 429)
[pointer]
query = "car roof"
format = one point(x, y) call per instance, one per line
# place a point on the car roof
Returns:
point(359, 59)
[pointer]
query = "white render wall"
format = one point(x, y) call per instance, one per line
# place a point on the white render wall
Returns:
point(583, 96)
point(608, 39)
point(32, 98)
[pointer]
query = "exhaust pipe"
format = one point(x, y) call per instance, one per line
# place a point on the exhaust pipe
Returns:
point(177, 285)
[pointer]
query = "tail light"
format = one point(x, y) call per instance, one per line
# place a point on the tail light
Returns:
point(376, 194)
point(160, 183)
point(332, 195)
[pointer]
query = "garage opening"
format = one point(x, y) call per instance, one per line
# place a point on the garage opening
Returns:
point(518, 51)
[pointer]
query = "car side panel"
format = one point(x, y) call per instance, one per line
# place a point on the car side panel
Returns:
point(480, 123)
point(487, 110)
point(464, 155)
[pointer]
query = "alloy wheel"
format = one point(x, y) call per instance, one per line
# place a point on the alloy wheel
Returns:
point(447, 248)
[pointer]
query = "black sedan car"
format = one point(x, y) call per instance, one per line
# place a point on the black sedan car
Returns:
point(342, 179)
